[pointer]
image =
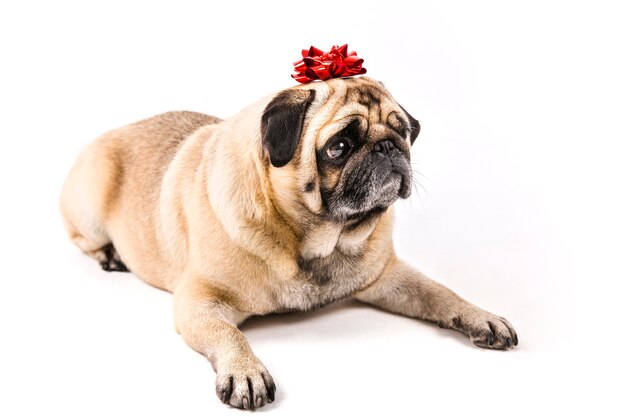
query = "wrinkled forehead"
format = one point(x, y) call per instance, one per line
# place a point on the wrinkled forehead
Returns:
point(340, 102)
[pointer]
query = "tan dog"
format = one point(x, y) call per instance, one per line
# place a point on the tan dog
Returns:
point(285, 206)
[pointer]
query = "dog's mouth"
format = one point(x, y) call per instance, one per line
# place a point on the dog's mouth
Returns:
point(369, 191)
point(403, 190)
point(405, 186)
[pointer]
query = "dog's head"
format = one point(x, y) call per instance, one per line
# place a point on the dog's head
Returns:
point(339, 148)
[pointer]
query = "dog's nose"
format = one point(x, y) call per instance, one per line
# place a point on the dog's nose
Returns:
point(384, 146)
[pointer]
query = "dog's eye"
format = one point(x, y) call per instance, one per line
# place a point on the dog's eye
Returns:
point(338, 149)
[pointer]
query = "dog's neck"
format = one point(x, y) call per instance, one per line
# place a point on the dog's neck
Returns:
point(349, 238)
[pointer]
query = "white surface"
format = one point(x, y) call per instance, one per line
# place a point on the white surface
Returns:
point(521, 211)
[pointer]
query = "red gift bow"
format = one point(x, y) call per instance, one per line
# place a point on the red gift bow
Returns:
point(319, 65)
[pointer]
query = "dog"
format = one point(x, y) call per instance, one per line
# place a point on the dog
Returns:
point(285, 206)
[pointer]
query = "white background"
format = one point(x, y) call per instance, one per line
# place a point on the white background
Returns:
point(520, 208)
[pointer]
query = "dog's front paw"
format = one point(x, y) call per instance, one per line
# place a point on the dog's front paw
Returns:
point(245, 383)
point(486, 330)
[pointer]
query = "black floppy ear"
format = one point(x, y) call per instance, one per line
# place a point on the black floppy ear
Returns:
point(415, 125)
point(281, 124)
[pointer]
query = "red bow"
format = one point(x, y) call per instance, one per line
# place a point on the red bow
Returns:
point(319, 65)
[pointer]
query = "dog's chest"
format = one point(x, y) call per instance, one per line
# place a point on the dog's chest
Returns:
point(325, 279)
point(321, 281)
point(333, 265)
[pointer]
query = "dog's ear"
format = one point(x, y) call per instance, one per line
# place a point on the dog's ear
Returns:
point(415, 125)
point(281, 124)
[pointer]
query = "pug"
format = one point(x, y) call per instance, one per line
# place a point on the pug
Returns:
point(285, 206)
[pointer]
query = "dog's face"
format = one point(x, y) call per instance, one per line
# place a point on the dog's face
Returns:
point(339, 148)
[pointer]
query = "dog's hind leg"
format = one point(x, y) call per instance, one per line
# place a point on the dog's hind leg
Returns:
point(110, 260)
point(88, 195)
